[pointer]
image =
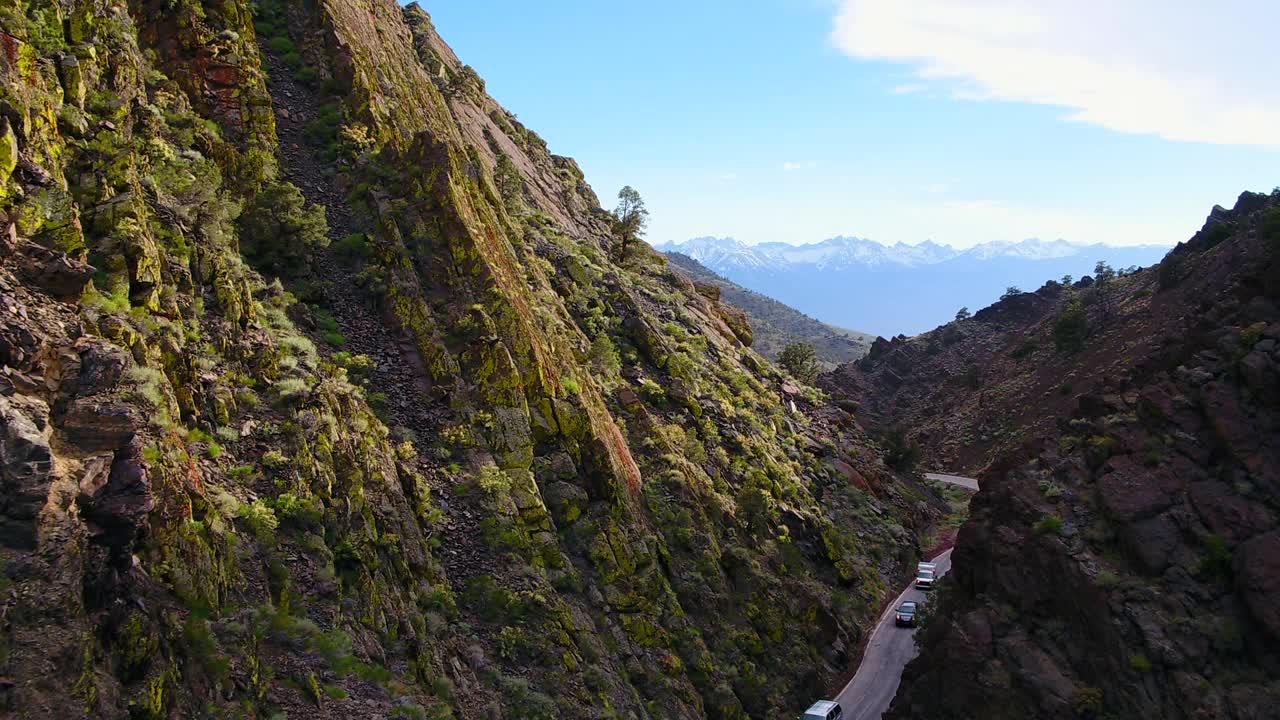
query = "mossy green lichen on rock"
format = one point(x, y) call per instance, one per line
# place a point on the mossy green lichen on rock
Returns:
point(8, 155)
point(611, 519)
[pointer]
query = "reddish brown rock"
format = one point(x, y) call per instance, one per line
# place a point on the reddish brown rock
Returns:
point(1227, 514)
point(100, 426)
point(1132, 492)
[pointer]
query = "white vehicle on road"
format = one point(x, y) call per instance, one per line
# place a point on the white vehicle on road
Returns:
point(824, 710)
point(926, 573)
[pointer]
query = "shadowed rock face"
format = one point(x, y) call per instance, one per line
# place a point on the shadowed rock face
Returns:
point(1123, 563)
point(459, 459)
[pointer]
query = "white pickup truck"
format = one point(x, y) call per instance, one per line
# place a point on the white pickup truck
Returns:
point(926, 574)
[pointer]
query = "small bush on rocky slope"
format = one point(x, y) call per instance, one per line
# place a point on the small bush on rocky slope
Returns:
point(280, 231)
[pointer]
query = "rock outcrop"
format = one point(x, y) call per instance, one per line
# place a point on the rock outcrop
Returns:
point(330, 396)
point(1122, 562)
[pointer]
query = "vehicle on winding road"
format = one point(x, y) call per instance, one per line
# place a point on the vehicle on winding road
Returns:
point(925, 577)
point(824, 710)
point(905, 616)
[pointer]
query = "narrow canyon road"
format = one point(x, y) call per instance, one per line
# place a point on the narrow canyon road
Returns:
point(963, 482)
point(868, 694)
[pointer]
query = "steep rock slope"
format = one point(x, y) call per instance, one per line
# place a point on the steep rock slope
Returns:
point(959, 393)
point(1123, 564)
point(463, 462)
point(774, 325)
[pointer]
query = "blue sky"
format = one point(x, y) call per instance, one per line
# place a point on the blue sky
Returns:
point(961, 121)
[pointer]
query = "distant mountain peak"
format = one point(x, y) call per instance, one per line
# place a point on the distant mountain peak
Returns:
point(726, 254)
point(900, 288)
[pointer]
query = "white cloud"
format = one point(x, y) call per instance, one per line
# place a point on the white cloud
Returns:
point(966, 222)
point(907, 89)
point(1181, 69)
point(792, 166)
point(936, 188)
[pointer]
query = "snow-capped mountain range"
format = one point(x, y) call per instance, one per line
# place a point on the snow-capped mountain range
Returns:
point(901, 288)
point(843, 252)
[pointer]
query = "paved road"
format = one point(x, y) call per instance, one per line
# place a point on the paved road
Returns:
point(954, 480)
point(868, 694)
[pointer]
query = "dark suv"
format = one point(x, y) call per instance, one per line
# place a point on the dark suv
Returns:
point(906, 615)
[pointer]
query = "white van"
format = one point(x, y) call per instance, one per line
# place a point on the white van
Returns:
point(824, 710)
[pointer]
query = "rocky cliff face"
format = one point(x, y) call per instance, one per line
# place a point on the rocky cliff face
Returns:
point(1123, 564)
point(432, 451)
point(965, 392)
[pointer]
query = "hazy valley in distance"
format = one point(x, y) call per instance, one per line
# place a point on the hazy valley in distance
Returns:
point(849, 281)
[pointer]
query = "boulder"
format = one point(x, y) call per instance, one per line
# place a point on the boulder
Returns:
point(1259, 373)
point(1151, 543)
point(646, 340)
point(26, 467)
point(1130, 492)
point(115, 502)
point(1257, 566)
point(95, 426)
point(707, 290)
point(737, 321)
point(1227, 514)
point(52, 270)
point(566, 502)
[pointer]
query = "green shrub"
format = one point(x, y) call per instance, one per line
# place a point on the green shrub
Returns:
point(1218, 233)
point(289, 389)
point(307, 75)
point(570, 385)
point(1217, 561)
point(279, 231)
point(352, 248)
point(335, 339)
point(1071, 328)
point(899, 452)
point(298, 346)
point(299, 512)
point(1048, 525)
point(275, 460)
point(604, 356)
point(1087, 701)
point(1140, 662)
point(509, 182)
point(260, 518)
point(1269, 229)
point(1171, 270)
point(681, 366)
point(801, 360)
point(1026, 349)
point(324, 131)
point(409, 711)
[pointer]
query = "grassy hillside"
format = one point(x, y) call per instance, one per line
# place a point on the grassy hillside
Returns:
point(775, 324)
